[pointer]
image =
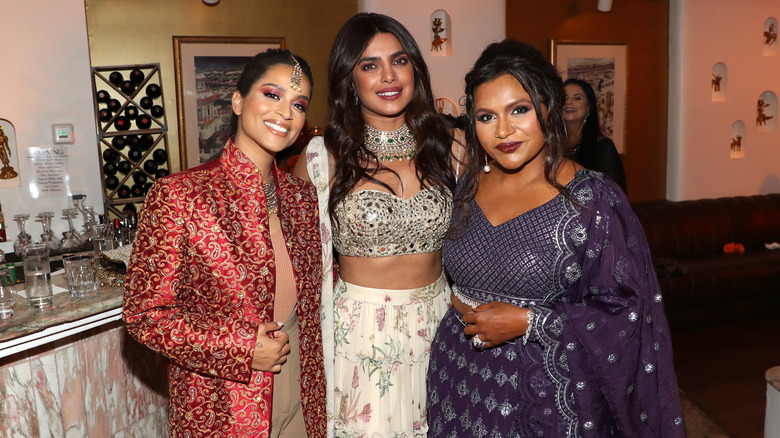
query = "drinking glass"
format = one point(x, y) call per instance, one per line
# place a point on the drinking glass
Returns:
point(82, 273)
point(102, 238)
point(37, 276)
point(7, 294)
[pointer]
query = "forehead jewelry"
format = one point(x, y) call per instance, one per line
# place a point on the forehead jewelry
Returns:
point(296, 76)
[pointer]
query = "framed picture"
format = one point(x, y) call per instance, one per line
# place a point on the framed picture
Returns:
point(605, 67)
point(207, 70)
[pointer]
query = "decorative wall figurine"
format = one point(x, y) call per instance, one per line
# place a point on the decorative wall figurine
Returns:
point(716, 82)
point(769, 39)
point(719, 82)
point(438, 40)
point(441, 33)
point(9, 177)
point(766, 112)
point(762, 116)
point(737, 140)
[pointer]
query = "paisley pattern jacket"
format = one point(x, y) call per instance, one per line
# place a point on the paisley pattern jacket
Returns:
point(202, 278)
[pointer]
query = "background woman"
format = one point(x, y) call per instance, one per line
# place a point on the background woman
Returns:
point(557, 326)
point(586, 144)
point(217, 259)
point(389, 159)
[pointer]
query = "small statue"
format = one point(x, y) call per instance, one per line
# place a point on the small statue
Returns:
point(770, 36)
point(7, 172)
point(438, 41)
point(762, 117)
point(716, 82)
point(736, 144)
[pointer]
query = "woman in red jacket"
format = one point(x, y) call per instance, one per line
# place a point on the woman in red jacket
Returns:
point(224, 250)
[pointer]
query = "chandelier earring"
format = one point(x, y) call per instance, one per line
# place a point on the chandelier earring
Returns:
point(486, 169)
point(357, 100)
point(585, 120)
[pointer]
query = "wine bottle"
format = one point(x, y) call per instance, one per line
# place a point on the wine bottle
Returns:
point(109, 169)
point(128, 87)
point(150, 166)
point(143, 121)
point(157, 111)
point(116, 78)
point(133, 141)
point(122, 123)
point(104, 115)
point(111, 182)
point(137, 190)
point(102, 96)
point(135, 154)
point(131, 112)
point(160, 156)
point(124, 166)
point(147, 186)
point(161, 173)
point(110, 156)
point(153, 90)
point(137, 76)
point(139, 177)
point(124, 191)
point(118, 142)
point(113, 105)
point(130, 207)
point(147, 141)
point(146, 102)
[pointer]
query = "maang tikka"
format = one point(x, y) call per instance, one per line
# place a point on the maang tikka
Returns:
point(296, 76)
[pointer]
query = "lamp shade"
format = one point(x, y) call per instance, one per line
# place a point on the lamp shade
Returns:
point(604, 5)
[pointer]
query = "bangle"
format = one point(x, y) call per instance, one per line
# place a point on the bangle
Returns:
point(527, 334)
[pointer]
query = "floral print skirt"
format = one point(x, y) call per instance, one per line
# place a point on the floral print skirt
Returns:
point(383, 343)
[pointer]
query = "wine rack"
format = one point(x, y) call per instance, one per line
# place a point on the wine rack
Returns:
point(132, 133)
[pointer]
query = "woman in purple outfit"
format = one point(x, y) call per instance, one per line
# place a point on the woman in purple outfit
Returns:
point(557, 326)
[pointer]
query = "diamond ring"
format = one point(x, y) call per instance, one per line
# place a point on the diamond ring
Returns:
point(477, 343)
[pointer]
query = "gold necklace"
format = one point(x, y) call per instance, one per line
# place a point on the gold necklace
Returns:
point(269, 187)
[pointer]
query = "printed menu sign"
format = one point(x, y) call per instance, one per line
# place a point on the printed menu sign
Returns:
point(48, 171)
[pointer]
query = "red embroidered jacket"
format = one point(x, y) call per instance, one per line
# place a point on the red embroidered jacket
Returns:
point(201, 280)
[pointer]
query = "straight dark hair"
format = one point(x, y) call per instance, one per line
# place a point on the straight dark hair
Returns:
point(345, 130)
point(542, 83)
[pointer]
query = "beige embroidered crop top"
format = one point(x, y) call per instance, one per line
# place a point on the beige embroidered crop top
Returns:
point(372, 223)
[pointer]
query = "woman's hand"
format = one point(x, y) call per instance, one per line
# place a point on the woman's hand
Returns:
point(496, 323)
point(271, 350)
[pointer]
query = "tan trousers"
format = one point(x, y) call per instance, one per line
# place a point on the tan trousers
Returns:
point(286, 414)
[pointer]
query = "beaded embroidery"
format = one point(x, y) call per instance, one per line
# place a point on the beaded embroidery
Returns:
point(390, 145)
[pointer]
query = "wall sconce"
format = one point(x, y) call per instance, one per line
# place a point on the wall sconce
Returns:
point(214, 2)
point(604, 5)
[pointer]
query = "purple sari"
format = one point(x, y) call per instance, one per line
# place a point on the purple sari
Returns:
point(597, 360)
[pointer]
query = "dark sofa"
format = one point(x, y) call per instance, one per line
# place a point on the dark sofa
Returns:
point(702, 285)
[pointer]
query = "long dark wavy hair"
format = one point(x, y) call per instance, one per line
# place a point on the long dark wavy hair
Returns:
point(542, 83)
point(345, 130)
point(591, 132)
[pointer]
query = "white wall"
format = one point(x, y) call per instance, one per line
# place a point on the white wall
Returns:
point(703, 33)
point(474, 26)
point(46, 80)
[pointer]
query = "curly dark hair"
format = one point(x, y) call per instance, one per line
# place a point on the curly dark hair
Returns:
point(542, 83)
point(345, 130)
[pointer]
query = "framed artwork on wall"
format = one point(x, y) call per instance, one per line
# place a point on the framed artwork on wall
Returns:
point(207, 69)
point(603, 65)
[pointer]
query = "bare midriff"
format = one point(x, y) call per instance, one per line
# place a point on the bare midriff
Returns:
point(408, 271)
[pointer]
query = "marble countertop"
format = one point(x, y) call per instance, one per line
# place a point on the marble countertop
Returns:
point(68, 315)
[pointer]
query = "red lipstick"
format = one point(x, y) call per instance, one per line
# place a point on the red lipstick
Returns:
point(509, 147)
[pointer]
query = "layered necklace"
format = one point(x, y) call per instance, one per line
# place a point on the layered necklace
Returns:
point(269, 187)
point(390, 145)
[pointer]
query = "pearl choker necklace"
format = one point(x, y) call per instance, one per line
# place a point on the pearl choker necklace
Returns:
point(390, 145)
